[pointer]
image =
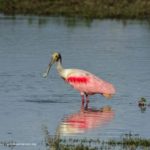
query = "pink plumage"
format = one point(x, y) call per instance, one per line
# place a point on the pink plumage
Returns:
point(87, 83)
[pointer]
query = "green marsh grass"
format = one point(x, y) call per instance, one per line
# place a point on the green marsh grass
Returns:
point(127, 141)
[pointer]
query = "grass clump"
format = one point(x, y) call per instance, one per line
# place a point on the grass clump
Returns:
point(128, 141)
point(136, 142)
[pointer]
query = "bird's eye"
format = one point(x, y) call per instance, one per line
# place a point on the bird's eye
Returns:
point(56, 57)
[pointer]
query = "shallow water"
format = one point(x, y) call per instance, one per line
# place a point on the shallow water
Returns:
point(114, 50)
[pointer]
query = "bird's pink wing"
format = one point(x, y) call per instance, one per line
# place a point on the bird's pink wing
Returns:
point(88, 83)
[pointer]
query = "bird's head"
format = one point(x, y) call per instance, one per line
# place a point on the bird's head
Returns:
point(55, 58)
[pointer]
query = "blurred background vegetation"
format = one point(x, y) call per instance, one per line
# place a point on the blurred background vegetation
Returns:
point(132, 9)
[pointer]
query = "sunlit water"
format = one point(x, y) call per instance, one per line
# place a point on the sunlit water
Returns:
point(114, 50)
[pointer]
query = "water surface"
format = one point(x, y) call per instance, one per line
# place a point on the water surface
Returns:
point(116, 51)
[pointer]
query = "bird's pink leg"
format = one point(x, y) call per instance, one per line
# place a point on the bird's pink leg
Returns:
point(87, 98)
point(87, 101)
point(82, 95)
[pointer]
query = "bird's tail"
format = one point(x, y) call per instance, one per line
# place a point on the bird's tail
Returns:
point(108, 96)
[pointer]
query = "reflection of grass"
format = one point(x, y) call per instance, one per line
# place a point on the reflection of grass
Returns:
point(84, 8)
point(128, 141)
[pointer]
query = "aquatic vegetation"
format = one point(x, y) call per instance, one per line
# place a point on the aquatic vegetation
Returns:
point(84, 8)
point(91, 144)
point(127, 141)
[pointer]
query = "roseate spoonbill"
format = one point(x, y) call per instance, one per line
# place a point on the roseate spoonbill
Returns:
point(84, 82)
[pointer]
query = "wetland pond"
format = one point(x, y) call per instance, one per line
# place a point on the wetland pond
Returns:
point(117, 51)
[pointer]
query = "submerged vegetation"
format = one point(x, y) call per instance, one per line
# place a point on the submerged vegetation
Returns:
point(132, 9)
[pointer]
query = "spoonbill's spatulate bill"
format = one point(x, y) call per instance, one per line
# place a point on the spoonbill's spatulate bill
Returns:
point(84, 82)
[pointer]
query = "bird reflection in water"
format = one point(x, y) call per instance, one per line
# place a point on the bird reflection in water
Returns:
point(85, 119)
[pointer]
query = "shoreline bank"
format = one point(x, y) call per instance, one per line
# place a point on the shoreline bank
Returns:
point(113, 9)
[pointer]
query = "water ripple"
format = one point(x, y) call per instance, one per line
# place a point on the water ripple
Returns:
point(44, 101)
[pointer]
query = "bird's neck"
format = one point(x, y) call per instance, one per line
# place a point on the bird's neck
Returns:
point(59, 67)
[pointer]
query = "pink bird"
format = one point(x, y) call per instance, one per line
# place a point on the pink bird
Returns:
point(84, 82)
